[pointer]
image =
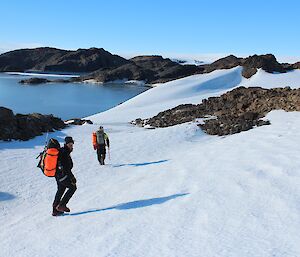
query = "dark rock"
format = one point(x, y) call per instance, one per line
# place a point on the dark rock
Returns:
point(129, 71)
point(138, 122)
point(156, 69)
point(238, 110)
point(34, 81)
point(151, 69)
point(77, 121)
point(6, 114)
point(24, 127)
point(296, 65)
point(227, 62)
point(267, 62)
point(250, 64)
point(52, 59)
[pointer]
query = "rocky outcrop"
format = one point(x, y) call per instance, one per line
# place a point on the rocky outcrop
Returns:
point(238, 110)
point(24, 127)
point(250, 64)
point(129, 71)
point(267, 62)
point(35, 81)
point(156, 69)
point(296, 65)
point(227, 62)
point(77, 121)
point(52, 59)
point(151, 69)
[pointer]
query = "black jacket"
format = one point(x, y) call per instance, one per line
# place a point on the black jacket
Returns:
point(65, 165)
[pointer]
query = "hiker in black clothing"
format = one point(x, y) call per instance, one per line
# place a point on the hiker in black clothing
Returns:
point(64, 178)
point(101, 142)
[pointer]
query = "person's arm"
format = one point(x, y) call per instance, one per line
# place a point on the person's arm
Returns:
point(65, 162)
point(107, 140)
point(72, 178)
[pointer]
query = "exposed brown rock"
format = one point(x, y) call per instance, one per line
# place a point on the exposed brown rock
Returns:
point(151, 69)
point(296, 65)
point(235, 111)
point(77, 121)
point(267, 62)
point(34, 81)
point(227, 62)
point(24, 127)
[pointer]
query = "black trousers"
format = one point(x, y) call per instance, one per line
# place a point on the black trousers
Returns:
point(61, 188)
point(101, 152)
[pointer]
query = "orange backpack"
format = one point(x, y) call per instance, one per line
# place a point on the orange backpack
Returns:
point(94, 139)
point(49, 158)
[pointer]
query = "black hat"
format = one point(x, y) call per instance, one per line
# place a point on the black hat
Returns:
point(69, 140)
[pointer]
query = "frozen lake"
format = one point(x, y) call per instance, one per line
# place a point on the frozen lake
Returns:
point(64, 100)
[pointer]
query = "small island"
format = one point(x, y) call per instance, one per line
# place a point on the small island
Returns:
point(36, 81)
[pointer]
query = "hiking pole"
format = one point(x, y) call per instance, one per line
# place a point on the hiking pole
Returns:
point(47, 137)
point(108, 153)
point(44, 146)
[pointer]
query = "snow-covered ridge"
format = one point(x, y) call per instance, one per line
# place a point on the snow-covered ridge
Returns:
point(193, 89)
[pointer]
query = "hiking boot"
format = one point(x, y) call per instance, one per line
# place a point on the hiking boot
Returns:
point(62, 208)
point(57, 213)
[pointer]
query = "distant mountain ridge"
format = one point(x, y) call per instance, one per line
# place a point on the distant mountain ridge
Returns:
point(156, 69)
point(102, 66)
point(58, 60)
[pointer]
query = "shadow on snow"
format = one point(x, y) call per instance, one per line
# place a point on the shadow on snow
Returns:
point(32, 143)
point(139, 164)
point(6, 196)
point(132, 205)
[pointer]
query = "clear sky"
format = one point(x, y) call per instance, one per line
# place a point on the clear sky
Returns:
point(153, 27)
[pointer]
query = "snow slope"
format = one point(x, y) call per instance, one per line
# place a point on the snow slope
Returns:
point(165, 192)
point(191, 89)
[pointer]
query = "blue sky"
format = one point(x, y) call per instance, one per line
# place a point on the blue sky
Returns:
point(165, 26)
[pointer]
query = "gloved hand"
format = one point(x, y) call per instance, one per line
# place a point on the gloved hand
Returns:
point(95, 147)
point(73, 180)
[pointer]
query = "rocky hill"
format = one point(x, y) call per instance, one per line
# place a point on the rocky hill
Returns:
point(151, 69)
point(57, 60)
point(156, 69)
point(250, 64)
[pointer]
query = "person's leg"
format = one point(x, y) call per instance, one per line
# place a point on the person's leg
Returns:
point(102, 158)
point(60, 191)
point(99, 155)
point(71, 190)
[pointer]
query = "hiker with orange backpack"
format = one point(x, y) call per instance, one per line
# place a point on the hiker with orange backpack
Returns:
point(65, 179)
point(100, 141)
